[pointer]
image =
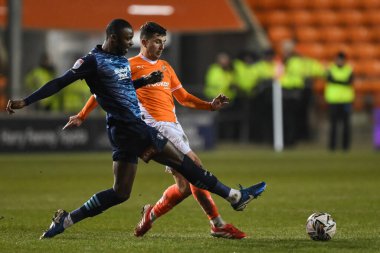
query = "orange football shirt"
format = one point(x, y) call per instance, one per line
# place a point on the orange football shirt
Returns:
point(156, 100)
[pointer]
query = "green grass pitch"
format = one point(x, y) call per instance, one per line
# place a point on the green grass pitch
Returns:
point(300, 182)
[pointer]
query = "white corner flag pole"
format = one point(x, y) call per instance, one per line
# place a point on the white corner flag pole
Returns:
point(278, 136)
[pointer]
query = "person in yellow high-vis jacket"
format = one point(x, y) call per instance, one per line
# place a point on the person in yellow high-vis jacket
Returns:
point(292, 83)
point(339, 95)
point(40, 75)
point(219, 78)
point(75, 96)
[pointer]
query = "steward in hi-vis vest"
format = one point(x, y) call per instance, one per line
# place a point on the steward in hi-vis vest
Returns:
point(339, 95)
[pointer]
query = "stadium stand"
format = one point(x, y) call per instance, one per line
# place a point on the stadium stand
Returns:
point(321, 28)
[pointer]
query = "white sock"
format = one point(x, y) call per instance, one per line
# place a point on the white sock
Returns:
point(234, 196)
point(218, 222)
point(67, 222)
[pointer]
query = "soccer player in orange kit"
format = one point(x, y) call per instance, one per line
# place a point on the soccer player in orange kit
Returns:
point(158, 110)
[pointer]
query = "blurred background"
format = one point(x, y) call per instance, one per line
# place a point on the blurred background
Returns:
point(271, 57)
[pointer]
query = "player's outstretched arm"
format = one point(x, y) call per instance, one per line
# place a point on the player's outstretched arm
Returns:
point(15, 104)
point(188, 100)
point(153, 77)
point(45, 91)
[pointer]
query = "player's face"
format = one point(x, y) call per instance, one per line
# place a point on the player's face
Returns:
point(123, 41)
point(155, 46)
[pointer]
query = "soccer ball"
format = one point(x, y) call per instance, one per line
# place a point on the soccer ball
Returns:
point(320, 226)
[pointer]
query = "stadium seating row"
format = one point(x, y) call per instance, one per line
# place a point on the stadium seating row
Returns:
point(332, 34)
point(319, 17)
point(315, 4)
point(359, 51)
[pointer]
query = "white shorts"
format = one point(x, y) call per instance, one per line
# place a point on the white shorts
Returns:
point(174, 132)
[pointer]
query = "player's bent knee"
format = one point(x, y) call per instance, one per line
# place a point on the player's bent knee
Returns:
point(184, 188)
point(122, 194)
point(182, 184)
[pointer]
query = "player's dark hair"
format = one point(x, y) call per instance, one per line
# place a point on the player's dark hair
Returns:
point(149, 29)
point(116, 25)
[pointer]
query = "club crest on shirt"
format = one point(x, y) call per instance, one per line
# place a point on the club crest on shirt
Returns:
point(78, 63)
point(163, 68)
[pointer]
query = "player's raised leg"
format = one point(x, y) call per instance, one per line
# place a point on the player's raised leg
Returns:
point(201, 178)
point(174, 195)
point(124, 175)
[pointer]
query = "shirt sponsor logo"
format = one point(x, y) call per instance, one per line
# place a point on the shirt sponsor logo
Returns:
point(123, 73)
point(165, 85)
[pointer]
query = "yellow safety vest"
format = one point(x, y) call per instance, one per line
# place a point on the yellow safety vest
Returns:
point(265, 70)
point(218, 81)
point(245, 75)
point(75, 96)
point(336, 93)
point(314, 68)
point(294, 75)
point(35, 79)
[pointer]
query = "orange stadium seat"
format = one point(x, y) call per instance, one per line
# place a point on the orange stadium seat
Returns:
point(265, 4)
point(326, 18)
point(346, 4)
point(375, 32)
point(359, 34)
point(364, 51)
point(333, 34)
point(314, 50)
point(369, 87)
point(371, 17)
point(369, 4)
point(295, 4)
point(269, 18)
point(332, 49)
point(351, 17)
point(301, 17)
point(279, 33)
point(320, 4)
point(260, 16)
point(307, 34)
point(367, 68)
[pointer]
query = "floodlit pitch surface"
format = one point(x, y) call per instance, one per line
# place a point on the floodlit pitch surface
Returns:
point(301, 182)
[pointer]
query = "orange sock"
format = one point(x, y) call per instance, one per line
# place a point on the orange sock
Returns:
point(170, 198)
point(207, 203)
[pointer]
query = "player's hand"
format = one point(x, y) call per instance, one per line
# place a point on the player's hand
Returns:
point(154, 77)
point(74, 121)
point(219, 102)
point(15, 104)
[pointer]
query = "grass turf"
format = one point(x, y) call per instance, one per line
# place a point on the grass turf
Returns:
point(299, 182)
